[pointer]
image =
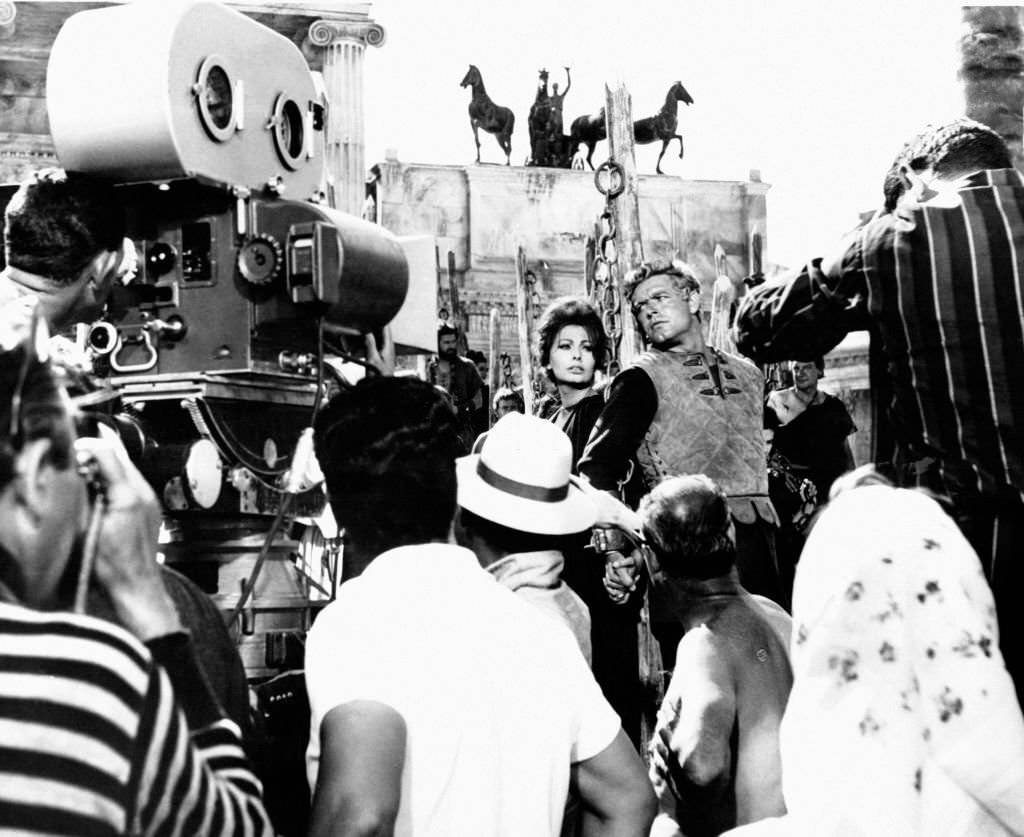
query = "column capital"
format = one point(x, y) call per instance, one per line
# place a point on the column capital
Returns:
point(324, 32)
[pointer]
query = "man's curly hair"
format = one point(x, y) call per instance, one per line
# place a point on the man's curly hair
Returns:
point(686, 521)
point(683, 277)
point(58, 221)
point(959, 146)
point(387, 447)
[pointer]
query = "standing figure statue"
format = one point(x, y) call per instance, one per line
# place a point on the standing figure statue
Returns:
point(484, 113)
point(539, 120)
point(559, 147)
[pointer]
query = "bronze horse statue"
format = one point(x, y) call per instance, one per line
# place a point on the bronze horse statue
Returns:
point(662, 126)
point(483, 113)
point(590, 130)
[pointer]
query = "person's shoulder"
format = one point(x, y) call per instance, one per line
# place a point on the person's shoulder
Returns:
point(76, 638)
point(640, 371)
point(737, 360)
point(704, 647)
point(518, 619)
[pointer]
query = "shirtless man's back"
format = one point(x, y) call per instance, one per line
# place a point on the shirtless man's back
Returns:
point(715, 754)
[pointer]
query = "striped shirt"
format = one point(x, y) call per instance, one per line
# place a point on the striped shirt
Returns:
point(941, 286)
point(93, 742)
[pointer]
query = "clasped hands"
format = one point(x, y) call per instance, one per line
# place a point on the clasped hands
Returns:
point(617, 536)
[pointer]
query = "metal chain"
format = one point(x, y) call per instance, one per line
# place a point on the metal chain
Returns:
point(606, 292)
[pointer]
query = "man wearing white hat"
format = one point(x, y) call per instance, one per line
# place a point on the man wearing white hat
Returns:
point(518, 506)
point(442, 703)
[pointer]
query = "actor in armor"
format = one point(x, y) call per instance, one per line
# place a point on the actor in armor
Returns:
point(684, 407)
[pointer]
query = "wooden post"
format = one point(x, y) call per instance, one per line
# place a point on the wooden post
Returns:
point(589, 254)
point(444, 302)
point(625, 209)
point(626, 215)
point(756, 260)
point(523, 321)
point(494, 359)
point(723, 298)
point(459, 318)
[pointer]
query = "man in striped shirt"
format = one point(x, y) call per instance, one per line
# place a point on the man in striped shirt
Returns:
point(102, 730)
point(937, 277)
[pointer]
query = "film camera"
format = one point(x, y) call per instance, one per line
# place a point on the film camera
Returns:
point(212, 127)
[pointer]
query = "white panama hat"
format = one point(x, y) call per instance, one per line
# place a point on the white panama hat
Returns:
point(522, 478)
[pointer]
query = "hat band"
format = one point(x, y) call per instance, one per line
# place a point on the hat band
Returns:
point(521, 489)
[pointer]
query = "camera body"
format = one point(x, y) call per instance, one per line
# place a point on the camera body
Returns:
point(211, 127)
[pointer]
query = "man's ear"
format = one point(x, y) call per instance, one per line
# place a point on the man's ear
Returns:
point(694, 302)
point(102, 268)
point(458, 533)
point(914, 186)
point(33, 476)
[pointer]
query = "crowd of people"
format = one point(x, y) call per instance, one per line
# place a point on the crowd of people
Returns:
point(839, 648)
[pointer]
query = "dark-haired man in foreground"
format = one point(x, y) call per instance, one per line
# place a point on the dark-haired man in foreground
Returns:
point(715, 755)
point(442, 703)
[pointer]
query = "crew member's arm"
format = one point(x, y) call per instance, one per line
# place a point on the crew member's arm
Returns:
point(126, 568)
point(188, 784)
point(359, 783)
point(607, 773)
point(617, 798)
point(190, 775)
point(691, 758)
point(811, 310)
point(619, 430)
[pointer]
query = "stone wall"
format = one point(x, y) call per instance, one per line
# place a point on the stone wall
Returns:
point(483, 213)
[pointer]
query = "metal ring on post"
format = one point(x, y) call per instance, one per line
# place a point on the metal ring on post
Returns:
point(616, 179)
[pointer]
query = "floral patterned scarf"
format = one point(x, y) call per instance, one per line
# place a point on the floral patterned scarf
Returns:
point(902, 719)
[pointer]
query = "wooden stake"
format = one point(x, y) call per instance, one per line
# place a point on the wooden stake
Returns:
point(589, 254)
point(459, 319)
point(523, 324)
point(494, 359)
point(625, 210)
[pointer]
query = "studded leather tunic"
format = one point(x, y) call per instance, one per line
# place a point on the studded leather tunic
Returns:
point(708, 421)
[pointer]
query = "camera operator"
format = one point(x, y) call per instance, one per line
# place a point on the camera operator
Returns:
point(64, 243)
point(65, 246)
point(94, 739)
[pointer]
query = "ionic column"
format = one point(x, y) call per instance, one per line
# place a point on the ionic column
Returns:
point(343, 44)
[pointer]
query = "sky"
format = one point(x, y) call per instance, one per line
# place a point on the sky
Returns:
point(816, 95)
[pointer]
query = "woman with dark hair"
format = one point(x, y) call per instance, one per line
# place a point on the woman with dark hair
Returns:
point(572, 348)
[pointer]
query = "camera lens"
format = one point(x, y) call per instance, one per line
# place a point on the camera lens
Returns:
point(103, 338)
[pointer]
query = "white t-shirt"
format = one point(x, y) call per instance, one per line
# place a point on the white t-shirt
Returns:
point(497, 698)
